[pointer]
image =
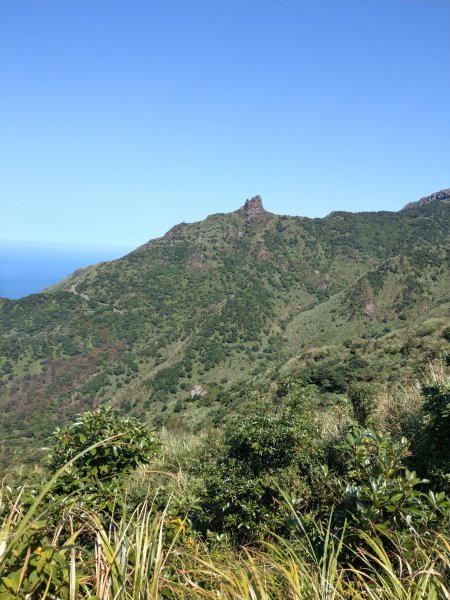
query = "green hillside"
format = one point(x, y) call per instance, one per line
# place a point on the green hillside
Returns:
point(175, 331)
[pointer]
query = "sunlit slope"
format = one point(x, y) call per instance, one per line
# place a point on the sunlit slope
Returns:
point(218, 303)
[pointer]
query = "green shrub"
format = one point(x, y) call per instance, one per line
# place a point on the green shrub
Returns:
point(363, 401)
point(131, 444)
point(432, 444)
point(377, 488)
point(274, 445)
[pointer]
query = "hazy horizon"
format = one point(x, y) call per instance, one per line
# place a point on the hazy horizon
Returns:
point(30, 267)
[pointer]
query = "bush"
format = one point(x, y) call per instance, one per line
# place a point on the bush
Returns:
point(377, 488)
point(446, 334)
point(363, 401)
point(274, 445)
point(132, 444)
point(432, 445)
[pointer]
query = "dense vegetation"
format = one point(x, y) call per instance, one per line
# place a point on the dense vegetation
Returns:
point(327, 509)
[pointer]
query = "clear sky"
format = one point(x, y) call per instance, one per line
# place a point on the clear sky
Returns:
point(119, 118)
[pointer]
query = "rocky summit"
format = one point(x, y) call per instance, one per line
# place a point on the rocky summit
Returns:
point(253, 209)
point(437, 196)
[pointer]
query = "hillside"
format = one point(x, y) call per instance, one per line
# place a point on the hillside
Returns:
point(175, 331)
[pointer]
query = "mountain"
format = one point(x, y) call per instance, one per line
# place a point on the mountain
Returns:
point(177, 330)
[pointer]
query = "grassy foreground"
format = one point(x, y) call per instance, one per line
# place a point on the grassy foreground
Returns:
point(150, 556)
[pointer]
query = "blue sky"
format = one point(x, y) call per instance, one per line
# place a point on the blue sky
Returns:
point(119, 118)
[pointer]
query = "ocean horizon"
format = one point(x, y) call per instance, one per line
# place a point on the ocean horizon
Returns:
point(29, 268)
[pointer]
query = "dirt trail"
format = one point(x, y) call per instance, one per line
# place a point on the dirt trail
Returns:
point(73, 290)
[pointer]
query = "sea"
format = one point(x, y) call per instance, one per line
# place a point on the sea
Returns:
point(28, 268)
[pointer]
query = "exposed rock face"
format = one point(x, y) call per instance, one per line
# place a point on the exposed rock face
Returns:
point(361, 299)
point(369, 310)
point(174, 233)
point(253, 209)
point(198, 391)
point(442, 195)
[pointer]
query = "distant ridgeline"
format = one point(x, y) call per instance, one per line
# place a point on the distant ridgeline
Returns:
point(176, 331)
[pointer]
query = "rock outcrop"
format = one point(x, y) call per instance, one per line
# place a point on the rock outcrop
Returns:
point(442, 195)
point(253, 209)
point(198, 391)
point(173, 234)
point(369, 310)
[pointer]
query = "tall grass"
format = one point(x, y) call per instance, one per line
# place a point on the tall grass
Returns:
point(149, 555)
point(397, 407)
point(144, 557)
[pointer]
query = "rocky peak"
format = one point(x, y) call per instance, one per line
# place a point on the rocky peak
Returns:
point(253, 209)
point(442, 195)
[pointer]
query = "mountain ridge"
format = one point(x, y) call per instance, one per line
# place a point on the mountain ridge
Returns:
point(254, 207)
point(440, 196)
point(226, 303)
